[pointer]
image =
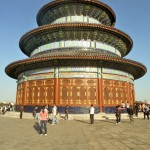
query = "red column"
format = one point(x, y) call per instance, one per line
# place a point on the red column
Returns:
point(25, 94)
point(101, 95)
point(133, 94)
point(56, 92)
point(129, 95)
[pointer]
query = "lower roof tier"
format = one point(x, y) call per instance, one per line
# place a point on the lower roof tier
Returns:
point(134, 68)
point(76, 73)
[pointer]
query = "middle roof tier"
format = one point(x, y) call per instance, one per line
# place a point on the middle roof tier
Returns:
point(76, 31)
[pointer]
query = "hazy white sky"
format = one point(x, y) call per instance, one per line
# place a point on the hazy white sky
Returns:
point(19, 17)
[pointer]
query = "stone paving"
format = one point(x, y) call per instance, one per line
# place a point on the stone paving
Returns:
point(22, 134)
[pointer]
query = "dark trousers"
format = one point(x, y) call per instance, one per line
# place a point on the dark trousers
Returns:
point(3, 111)
point(20, 115)
point(136, 112)
point(128, 111)
point(118, 118)
point(66, 116)
point(131, 118)
point(92, 118)
point(146, 114)
point(43, 124)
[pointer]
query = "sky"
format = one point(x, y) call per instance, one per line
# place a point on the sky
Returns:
point(18, 17)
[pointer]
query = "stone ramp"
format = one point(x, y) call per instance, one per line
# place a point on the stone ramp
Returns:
point(99, 116)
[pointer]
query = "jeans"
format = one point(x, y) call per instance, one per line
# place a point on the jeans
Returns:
point(54, 119)
point(43, 125)
point(131, 118)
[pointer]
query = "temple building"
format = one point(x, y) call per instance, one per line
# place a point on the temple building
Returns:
point(76, 58)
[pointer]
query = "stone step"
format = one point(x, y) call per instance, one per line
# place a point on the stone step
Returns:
point(17, 115)
point(99, 116)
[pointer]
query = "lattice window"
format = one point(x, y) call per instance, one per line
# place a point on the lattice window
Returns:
point(106, 93)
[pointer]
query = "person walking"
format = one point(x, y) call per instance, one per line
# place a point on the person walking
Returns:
point(146, 111)
point(36, 112)
point(21, 112)
point(54, 113)
point(43, 121)
point(131, 112)
point(46, 108)
point(38, 115)
point(136, 109)
point(118, 114)
point(3, 109)
point(128, 107)
point(66, 112)
point(123, 104)
point(92, 110)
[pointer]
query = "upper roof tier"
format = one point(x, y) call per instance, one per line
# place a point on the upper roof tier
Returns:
point(62, 8)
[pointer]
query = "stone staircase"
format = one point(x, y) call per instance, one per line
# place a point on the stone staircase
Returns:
point(99, 116)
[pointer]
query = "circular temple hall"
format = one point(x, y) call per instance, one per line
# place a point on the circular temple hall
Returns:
point(75, 58)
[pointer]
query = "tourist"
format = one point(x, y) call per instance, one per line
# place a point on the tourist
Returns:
point(46, 108)
point(146, 111)
point(131, 112)
point(54, 113)
point(123, 104)
point(4, 109)
point(140, 108)
point(43, 121)
point(122, 107)
point(92, 109)
point(21, 112)
point(118, 114)
point(66, 112)
point(136, 109)
point(36, 112)
point(127, 107)
point(143, 105)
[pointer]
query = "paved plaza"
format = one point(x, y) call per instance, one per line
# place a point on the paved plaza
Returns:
point(22, 134)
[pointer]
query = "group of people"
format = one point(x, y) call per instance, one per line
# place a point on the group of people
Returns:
point(5, 108)
point(131, 110)
point(120, 109)
point(43, 116)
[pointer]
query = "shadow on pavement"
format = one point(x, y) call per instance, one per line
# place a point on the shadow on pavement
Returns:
point(36, 127)
point(82, 121)
point(105, 117)
point(109, 121)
